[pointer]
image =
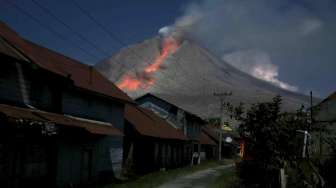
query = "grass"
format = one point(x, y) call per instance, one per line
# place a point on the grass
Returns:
point(227, 179)
point(157, 178)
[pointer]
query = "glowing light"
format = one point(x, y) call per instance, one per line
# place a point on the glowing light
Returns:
point(146, 80)
point(169, 46)
point(129, 83)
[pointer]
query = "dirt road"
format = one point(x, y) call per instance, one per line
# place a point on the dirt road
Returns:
point(200, 179)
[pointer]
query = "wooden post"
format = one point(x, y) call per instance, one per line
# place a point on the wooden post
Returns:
point(283, 180)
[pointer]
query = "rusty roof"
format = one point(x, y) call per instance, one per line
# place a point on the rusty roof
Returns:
point(206, 140)
point(211, 132)
point(91, 126)
point(5, 48)
point(83, 76)
point(148, 123)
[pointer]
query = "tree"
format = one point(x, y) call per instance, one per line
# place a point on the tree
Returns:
point(270, 143)
point(328, 167)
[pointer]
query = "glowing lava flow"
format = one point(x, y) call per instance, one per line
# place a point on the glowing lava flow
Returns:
point(145, 80)
point(169, 47)
point(130, 83)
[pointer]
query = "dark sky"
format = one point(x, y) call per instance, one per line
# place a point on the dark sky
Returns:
point(129, 21)
point(293, 39)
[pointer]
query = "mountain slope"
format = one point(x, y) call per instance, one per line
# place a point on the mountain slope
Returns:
point(190, 76)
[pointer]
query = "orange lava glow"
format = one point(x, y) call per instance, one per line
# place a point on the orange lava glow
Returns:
point(169, 46)
point(130, 83)
point(133, 83)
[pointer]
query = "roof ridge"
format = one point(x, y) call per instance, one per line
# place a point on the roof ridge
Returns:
point(84, 76)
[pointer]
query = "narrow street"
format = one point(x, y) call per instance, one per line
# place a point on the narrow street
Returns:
point(200, 179)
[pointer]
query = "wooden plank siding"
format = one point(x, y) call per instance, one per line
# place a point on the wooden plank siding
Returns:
point(81, 158)
point(144, 154)
point(84, 105)
point(9, 82)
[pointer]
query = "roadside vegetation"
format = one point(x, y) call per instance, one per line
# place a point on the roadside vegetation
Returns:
point(274, 142)
point(155, 179)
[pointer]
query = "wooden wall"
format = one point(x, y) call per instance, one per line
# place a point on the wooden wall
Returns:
point(47, 91)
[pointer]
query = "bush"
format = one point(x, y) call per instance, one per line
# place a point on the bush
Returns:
point(270, 143)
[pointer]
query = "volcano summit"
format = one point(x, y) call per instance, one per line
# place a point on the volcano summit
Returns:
point(187, 75)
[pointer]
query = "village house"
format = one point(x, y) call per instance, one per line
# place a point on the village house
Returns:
point(151, 143)
point(208, 147)
point(187, 122)
point(324, 126)
point(230, 142)
point(61, 122)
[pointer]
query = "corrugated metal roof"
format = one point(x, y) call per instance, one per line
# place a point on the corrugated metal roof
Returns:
point(206, 140)
point(149, 124)
point(170, 102)
point(19, 113)
point(84, 76)
point(103, 128)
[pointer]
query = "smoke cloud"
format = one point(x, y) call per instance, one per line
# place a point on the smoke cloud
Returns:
point(259, 65)
point(271, 40)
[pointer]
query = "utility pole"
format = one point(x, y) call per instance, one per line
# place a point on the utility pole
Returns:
point(221, 96)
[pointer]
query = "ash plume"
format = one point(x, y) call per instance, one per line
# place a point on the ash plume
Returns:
point(264, 38)
point(258, 64)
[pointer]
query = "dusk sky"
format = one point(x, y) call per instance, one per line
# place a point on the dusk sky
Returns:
point(293, 41)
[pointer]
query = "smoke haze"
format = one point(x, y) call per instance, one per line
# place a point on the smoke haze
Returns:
point(282, 42)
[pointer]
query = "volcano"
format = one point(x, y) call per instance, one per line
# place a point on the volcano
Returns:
point(188, 76)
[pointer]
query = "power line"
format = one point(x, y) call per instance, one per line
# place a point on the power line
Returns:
point(112, 35)
point(47, 27)
point(93, 19)
point(50, 29)
point(47, 11)
point(108, 32)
